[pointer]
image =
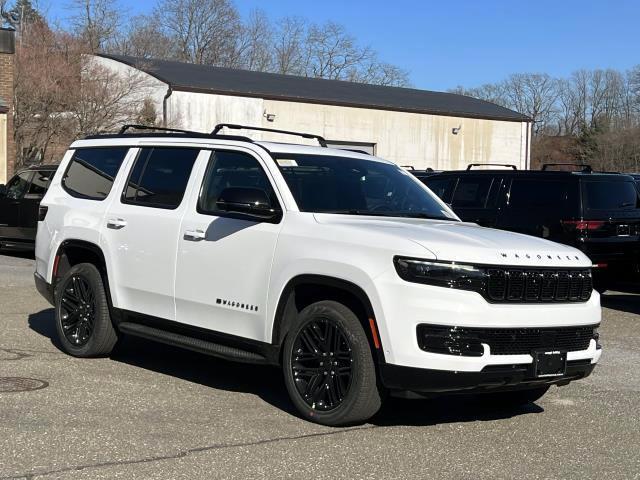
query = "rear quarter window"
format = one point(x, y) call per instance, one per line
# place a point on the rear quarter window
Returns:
point(91, 171)
point(548, 194)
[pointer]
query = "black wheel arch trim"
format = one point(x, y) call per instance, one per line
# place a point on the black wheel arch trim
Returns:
point(286, 305)
point(103, 267)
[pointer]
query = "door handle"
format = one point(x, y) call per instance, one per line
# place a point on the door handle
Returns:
point(194, 235)
point(116, 223)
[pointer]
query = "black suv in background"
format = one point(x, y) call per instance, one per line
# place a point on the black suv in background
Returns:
point(19, 204)
point(599, 213)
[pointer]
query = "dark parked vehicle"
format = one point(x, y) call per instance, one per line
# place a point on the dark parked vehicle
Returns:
point(599, 213)
point(19, 204)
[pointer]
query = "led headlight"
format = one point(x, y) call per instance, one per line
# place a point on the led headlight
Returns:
point(442, 274)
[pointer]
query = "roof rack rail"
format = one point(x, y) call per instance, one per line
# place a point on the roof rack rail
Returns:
point(220, 126)
point(506, 165)
point(408, 167)
point(151, 127)
point(583, 166)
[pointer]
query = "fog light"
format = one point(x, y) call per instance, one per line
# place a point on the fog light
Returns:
point(448, 341)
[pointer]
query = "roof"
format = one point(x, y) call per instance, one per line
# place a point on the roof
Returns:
point(4, 108)
point(226, 81)
point(536, 173)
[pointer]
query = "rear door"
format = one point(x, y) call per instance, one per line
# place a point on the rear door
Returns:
point(538, 206)
point(141, 229)
point(475, 198)
point(10, 206)
point(31, 203)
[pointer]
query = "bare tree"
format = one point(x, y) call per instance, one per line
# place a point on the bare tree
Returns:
point(96, 22)
point(535, 95)
point(254, 48)
point(288, 46)
point(143, 38)
point(204, 31)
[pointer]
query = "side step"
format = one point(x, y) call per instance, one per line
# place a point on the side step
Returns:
point(190, 343)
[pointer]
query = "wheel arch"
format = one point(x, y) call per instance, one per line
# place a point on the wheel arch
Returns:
point(305, 289)
point(74, 251)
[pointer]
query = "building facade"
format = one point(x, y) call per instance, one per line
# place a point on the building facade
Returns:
point(411, 127)
point(7, 146)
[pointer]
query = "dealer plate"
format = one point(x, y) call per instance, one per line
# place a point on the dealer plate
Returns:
point(550, 363)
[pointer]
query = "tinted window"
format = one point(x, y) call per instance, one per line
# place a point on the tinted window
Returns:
point(92, 170)
point(40, 182)
point(353, 186)
point(610, 195)
point(472, 192)
point(18, 185)
point(232, 169)
point(159, 177)
point(440, 186)
point(530, 193)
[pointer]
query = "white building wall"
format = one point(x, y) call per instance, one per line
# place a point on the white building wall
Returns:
point(414, 139)
point(406, 138)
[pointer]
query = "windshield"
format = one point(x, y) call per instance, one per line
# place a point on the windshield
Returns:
point(326, 184)
point(610, 195)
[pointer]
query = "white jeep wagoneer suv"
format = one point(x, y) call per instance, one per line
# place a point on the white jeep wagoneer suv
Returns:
point(338, 266)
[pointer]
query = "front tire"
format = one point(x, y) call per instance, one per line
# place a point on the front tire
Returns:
point(328, 366)
point(83, 320)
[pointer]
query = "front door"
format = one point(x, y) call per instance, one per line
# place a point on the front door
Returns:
point(10, 206)
point(224, 263)
point(141, 229)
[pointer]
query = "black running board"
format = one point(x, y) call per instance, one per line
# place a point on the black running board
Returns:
point(190, 343)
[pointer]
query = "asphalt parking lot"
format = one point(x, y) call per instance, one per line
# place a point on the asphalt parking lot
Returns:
point(151, 411)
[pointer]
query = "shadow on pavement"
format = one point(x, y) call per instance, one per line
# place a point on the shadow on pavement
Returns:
point(267, 383)
point(28, 254)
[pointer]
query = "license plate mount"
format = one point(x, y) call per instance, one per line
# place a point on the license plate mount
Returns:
point(549, 363)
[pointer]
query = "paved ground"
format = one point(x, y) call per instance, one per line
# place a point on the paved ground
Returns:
point(155, 412)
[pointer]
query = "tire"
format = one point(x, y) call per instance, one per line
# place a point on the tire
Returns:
point(83, 320)
point(346, 395)
point(515, 398)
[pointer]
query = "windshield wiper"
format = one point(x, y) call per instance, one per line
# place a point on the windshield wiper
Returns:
point(425, 216)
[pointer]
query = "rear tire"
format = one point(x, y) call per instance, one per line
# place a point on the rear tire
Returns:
point(83, 320)
point(328, 366)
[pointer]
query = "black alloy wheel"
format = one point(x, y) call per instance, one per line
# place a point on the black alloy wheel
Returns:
point(321, 363)
point(78, 309)
point(328, 366)
point(83, 313)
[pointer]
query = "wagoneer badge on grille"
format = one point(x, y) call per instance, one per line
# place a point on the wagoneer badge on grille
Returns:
point(538, 256)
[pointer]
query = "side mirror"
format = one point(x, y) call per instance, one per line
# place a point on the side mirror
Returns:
point(252, 203)
point(3, 190)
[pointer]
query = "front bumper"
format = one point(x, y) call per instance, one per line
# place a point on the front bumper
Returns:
point(494, 378)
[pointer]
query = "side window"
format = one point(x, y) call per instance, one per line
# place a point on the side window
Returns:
point(91, 172)
point(18, 185)
point(159, 177)
point(40, 182)
point(530, 193)
point(232, 169)
point(442, 187)
point(472, 192)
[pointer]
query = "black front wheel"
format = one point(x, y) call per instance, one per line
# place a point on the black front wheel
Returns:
point(328, 366)
point(83, 320)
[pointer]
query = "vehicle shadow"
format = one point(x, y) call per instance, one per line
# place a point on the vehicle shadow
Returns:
point(27, 254)
point(267, 382)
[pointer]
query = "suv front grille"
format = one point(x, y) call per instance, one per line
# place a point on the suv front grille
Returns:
point(539, 285)
point(503, 341)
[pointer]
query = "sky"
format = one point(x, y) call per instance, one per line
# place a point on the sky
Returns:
point(444, 44)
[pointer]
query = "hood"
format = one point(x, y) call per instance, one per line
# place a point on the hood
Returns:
point(468, 242)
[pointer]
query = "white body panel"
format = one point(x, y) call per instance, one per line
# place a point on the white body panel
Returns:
point(153, 269)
